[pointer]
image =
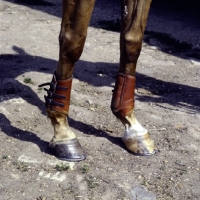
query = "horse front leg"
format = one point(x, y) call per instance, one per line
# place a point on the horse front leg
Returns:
point(75, 20)
point(134, 18)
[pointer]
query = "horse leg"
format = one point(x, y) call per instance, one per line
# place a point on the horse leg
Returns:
point(75, 20)
point(134, 18)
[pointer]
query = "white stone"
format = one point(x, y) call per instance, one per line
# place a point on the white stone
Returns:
point(195, 62)
point(141, 193)
point(28, 159)
point(4, 111)
point(16, 100)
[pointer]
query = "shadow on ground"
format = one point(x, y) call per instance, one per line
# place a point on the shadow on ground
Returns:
point(15, 65)
point(22, 135)
point(31, 137)
point(184, 10)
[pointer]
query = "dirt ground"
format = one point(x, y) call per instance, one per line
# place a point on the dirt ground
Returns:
point(167, 104)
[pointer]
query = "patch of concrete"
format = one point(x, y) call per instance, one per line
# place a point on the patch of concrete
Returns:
point(28, 159)
point(141, 193)
point(53, 176)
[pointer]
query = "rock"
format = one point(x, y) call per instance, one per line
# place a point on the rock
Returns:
point(18, 100)
point(143, 91)
point(28, 159)
point(76, 81)
point(198, 115)
point(154, 48)
point(141, 193)
point(18, 109)
point(89, 102)
point(195, 62)
point(4, 111)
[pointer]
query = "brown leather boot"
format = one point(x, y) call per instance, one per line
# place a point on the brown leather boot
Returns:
point(122, 102)
point(58, 96)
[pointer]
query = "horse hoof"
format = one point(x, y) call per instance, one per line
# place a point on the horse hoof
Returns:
point(69, 150)
point(140, 145)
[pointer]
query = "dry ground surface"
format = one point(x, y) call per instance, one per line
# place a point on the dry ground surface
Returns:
point(167, 104)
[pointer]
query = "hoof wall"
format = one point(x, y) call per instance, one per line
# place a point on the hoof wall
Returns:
point(69, 150)
point(140, 145)
point(145, 153)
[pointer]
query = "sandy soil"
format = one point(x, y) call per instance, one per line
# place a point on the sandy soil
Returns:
point(167, 104)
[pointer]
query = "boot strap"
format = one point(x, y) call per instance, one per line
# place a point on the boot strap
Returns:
point(58, 95)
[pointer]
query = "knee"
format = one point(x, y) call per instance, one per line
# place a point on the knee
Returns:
point(71, 45)
point(132, 41)
point(131, 47)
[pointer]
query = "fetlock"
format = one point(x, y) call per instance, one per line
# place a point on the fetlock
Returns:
point(64, 144)
point(62, 130)
point(136, 138)
point(57, 104)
